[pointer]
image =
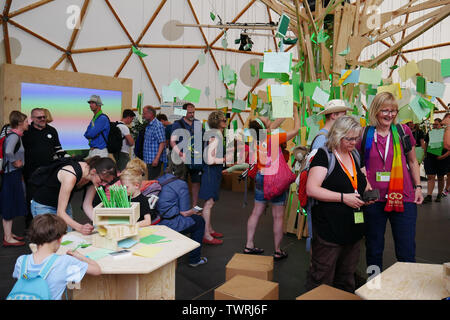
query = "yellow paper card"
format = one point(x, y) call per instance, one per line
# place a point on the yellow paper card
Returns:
point(393, 88)
point(321, 124)
point(345, 76)
point(408, 71)
point(362, 121)
point(144, 232)
point(303, 136)
point(147, 251)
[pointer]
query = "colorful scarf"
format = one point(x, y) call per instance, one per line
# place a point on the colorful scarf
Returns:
point(395, 191)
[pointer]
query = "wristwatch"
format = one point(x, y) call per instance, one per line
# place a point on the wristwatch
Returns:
point(417, 186)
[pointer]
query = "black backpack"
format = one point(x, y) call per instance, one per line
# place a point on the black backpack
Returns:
point(139, 144)
point(41, 175)
point(115, 138)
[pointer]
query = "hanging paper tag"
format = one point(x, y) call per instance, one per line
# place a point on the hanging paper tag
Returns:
point(359, 217)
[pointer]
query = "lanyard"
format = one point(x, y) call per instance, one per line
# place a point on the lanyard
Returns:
point(386, 149)
point(96, 116)
point(354, 179)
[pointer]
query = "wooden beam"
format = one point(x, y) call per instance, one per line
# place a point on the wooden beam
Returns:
point(427, 47)
point(432, 22)
point(400, 54)
point(238, 51)
point(36, 35)
point(141, 36)
point(72, 63)
point(312, 69)
point(97, 49)
point(6, 33)
point(272, 31)
point(58, 62)
point(75, 31)
point(120, 22)
point(150, 22)
point(29, 7)
point(403, 36)
point(150, 78)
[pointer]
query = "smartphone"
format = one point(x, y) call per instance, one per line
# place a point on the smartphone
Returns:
point(197, 209)
point(371, 195)
point(121, 254)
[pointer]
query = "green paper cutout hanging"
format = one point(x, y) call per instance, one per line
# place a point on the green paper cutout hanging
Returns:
point(212, 16)
point(138, 52)
point(344, 52)
point(322, 36)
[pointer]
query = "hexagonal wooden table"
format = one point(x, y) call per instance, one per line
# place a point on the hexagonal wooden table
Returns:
point(135, 277)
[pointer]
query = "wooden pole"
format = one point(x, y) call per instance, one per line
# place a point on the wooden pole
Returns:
point(58, 62)
point(75, 31)
point(6, 33)
point(29, 7)
point(427, 47)
point(150, 78)
point(120, 22)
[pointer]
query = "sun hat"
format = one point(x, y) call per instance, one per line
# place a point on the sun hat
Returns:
point(96, 99)
point(335, 105)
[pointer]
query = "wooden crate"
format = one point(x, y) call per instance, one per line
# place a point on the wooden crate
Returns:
point(102, 215)
point(118, 231)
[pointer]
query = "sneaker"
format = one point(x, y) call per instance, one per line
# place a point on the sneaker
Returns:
point(438, 198)
point(202, 260)
point(445, 193)
point(427, 199)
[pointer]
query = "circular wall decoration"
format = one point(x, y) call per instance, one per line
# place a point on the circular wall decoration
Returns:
point(15, 47)
point(171, 32)
point(246, 75)
point(431, 69)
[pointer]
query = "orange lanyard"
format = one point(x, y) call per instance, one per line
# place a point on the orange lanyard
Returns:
point(354, 179)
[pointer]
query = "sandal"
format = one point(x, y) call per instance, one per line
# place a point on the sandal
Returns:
point(253, 250)
point(279, 255)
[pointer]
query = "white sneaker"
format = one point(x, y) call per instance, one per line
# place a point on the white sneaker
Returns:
point(202, 260)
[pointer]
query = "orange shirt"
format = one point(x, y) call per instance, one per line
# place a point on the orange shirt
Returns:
point(275, 141)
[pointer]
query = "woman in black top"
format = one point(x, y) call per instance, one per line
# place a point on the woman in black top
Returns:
point(55, 195)
point(337, 218)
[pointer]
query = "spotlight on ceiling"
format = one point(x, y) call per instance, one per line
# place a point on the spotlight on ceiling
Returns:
point(245, 42)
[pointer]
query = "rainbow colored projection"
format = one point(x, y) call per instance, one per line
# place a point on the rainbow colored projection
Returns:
point(70, 110)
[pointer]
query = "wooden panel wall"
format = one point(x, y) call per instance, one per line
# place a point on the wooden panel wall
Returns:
point(11, 77)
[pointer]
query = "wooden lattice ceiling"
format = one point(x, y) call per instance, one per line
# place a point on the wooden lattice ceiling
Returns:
point(350, 25)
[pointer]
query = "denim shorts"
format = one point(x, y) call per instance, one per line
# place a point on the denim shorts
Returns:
point(37, 209)
point(259, 193)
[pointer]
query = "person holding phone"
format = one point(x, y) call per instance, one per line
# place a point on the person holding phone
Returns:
point(391, 165)
point(337, 217)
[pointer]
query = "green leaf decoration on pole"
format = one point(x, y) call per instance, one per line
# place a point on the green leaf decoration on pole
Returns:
point(138, 52)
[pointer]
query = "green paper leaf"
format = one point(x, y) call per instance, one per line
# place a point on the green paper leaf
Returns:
point(212, 16)
point(393, 67)
point(345, 52)
point(322, 36)
point(138, 52)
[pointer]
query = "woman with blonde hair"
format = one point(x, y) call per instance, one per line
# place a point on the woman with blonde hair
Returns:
point(391, 165)
point(337, 218)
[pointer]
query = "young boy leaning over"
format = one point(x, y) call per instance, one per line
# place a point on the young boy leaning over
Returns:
point(132, 178)
point(46, 231)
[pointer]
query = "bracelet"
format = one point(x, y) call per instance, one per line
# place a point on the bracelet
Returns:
point(342, 197)
point(417, 186)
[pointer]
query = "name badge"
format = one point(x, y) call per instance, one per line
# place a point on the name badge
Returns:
point(383, 176)
point(359, 217)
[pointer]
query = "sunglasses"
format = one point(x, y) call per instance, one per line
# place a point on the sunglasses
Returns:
point(41, 117)
point(351, 139)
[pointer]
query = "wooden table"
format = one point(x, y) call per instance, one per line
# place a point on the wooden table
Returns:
point(407, 281)
point(135, 278)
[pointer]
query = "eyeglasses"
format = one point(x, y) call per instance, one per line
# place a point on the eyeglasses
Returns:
point(41, 117)
point(223, 120)
point(351, 139)
point(387, 112)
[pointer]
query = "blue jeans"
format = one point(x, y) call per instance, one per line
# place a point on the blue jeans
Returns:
point(403, 225)
point(259, 193)
point(197, 232)
point(37, 209)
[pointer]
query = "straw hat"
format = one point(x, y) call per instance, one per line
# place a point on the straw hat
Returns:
point(96, 99)
point(336, 105)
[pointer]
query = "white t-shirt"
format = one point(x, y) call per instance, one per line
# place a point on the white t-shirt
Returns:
point(65, 269)
point(125, 131)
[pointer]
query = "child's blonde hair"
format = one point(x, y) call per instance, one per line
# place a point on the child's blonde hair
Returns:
point(131, 175)
point(138, 165)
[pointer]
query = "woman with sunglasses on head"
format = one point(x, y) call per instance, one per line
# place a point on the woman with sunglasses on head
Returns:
point(264, 128)
point(394, 171)
point(55, 195)
point(337, 218)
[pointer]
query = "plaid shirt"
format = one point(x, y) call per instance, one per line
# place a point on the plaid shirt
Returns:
point(154, 135)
